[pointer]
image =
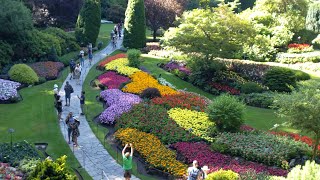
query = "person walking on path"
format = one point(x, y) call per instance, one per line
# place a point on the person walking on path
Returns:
point(193, 171)
point(75, 131)
point(68, 91)
point(90, 53)
point(81, 56)
point(69, 121)
point(127, 161)
point(58, 106)
point(77, 73)
point(72, 65)
point(82, 99)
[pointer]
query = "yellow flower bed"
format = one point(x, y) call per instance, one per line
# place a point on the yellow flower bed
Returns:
point(196, 121)
point(154, 152)
point(142, 80)
point(121, 66)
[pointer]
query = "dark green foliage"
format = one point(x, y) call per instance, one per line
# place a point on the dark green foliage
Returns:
point(245, 4)
point(306, 36)
point(301, 76)
point(135, 25)
point(251, 87)
point(65, 59)
point(19, 151)
point(227, 113)
point(313, 17)
point(88, 23)
point(6, 53)
point(150, 93)
point(262, 100)
point(280, 79)
point(23, 73)
point(52, 56)
point(115, 13)
point(134, 57)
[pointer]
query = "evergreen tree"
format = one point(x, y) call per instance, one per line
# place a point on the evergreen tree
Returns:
point(313, 17)
point(135, 25)
point(88, 23)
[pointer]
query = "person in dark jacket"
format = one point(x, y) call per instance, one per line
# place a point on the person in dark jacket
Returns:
point(68, 90)
point(72, 65)
point(59, 106)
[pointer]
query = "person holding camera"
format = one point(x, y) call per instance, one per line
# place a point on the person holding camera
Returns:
point(127, 161)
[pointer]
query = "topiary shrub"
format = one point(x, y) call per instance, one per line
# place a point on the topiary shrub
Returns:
point(150, 93)
point(280, 79)
point(301, 76)
point(134, 57)
point(227, 113)
point(223, 175)
point(251, 87)
point(23, 73)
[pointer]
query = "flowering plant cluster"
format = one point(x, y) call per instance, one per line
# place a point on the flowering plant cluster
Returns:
point(164, 82)
point(154, 119)
point(118, 103)
point(121, 66)
point(197, 122)
point(8, 90)
point(111, 58)
point(225, 88)
point(262, 147)
point(8, 173)
point(152, 46)
point(48, 69)
point(150, 148)
point(142, 81)
point(298, 48)
point(183, 100)
point(173, 65)
point(216, 161)
point(112, 80)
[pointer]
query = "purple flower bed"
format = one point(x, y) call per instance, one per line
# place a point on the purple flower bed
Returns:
point(112, 80)
point(118, 102)
point(8, 90)
point(172, 65)
point(203, 154)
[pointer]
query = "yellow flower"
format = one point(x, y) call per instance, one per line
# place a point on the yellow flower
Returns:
point(121, 66)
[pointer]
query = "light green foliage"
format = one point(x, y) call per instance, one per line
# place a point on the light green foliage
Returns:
point(281, 36)
point(134, 57)
point(223, 175)
point(88, 23)
point(312, 20)
point(261, 49)
point(310, 170)
point(23, 73)
point(227, 113)
point(135, 25)
point(6, 53)
point(280, 79)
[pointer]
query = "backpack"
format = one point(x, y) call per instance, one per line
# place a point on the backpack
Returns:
point(71, 90)
point(194, 174)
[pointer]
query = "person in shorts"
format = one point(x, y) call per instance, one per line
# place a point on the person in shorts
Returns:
point(127, 161)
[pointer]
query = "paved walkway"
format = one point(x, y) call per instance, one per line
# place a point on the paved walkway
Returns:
point(91, 154)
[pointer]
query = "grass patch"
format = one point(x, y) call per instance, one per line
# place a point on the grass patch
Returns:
point(104, 34)
point(34, 119)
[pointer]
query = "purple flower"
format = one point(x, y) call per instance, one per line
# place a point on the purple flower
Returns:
point(8, 89)
point(172, 65)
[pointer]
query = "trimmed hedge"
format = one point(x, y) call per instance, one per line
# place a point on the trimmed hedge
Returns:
point(23, 73)
point(280, 79)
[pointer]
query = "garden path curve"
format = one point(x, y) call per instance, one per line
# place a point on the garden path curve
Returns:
point(91, 154)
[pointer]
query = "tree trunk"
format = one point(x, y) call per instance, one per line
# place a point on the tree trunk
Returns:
point(154, 35)
point(315, 148)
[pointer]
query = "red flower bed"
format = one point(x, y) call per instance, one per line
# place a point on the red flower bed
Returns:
point(111, 58)
point(225, 88)
point(48, 69)
point(183, 100)
point(112, 80)
point(299, 46)
point(202, 153)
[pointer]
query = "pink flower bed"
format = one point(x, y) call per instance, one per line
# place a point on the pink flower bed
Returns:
point(202, 153)
point(112, 80)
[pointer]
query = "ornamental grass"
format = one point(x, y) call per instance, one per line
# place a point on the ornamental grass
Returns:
point(121, 66)
point(152, 150)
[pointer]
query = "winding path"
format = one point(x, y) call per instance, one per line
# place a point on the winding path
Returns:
point(91, 154)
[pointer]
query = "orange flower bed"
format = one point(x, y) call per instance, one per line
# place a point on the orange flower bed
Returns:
point(154, 152)
point(111, 58)
point(142, 81)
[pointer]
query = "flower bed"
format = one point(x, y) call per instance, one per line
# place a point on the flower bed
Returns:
point(8, 90)
point(9, 173)
point(112, 80)
point(154, 152)
point(173, 65)
point(49, 69)
point(183, 100)
point(216, 161)
point(197, 122)
point(154, 119)
point(142, 81)
point(299, 48)
point(121, 66)
point(118, 103)
point(225, 88)
point(111, 58)
point(262, 147)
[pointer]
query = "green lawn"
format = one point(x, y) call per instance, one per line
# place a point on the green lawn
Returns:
point(104, 34)
point(34, 119)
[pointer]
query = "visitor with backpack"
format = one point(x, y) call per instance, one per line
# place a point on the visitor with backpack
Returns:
point(127, 161)
point(75, 131)
point(193, 171)
point(68, 91)
point(58, 106)
point(82, 100)
point(69, 121)
point(72, 66)
point(81, 56)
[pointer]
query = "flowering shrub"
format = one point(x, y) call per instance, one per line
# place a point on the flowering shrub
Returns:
point(299, 48)
point(216, 161)
point(197, 122)
point(49, 69)
point(121, 66)
point(112, 80)
point(151, 46)
point(262, 147)
point(225, 88)
point(154, 152)
point(8, 90)
point(173, 65)
point(166, 83)
point(142, 81)
point(8, 173)
point(223, 174)
point(154, 119)
point(183, 100)
point(118, 103)
point(111, 58)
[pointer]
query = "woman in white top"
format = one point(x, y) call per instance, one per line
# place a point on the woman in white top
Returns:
point(77, 73)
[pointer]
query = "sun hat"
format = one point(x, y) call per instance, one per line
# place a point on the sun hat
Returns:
point(55, 86)
point(205, 168)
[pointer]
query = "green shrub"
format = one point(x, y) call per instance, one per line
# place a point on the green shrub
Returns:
point(316, 42)
point(262, 100)
point(251, 87)
point(150, 93)
point(280, 79)
point(227, 113)
point(28, 165)
point(6, 53)
point(134, 57)
point(310, 170)
point(52, 56)
point(253, 175)
point(223, 175)
point(65, 59)
point(23, 73)
point(294, 60)
point(219, 147)
point(306, 36)
point(301, 76)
